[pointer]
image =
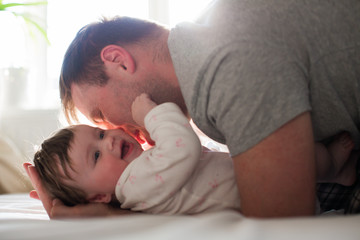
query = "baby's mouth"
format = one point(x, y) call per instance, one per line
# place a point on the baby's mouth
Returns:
point(124, 149)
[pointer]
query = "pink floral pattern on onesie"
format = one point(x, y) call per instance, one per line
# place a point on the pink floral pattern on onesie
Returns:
point(159, 178)
point(179, 143)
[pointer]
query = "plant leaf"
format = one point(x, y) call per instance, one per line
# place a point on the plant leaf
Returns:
point(35, 24)
point(4, 7)
point(28, 20)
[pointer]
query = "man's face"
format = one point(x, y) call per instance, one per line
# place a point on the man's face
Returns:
point(107, 106)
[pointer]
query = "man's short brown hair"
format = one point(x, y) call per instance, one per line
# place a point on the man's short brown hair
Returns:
point(82, 63)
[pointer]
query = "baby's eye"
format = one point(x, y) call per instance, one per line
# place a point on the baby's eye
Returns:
point(102, 133)
point(96, 156)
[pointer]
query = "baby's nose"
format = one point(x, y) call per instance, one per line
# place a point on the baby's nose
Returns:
point(110, 143)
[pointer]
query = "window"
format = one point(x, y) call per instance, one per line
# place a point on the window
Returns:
point(62, 20)
point(35, 66)
point(66, 17)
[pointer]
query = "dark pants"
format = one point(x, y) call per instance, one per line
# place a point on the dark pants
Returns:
point(335, 196)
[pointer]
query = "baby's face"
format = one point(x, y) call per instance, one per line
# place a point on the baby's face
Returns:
point(99, 157)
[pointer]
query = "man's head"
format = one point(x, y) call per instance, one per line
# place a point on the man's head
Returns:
point(83, 164)
point(111, 62)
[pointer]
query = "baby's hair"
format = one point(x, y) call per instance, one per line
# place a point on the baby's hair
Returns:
point(48, 160)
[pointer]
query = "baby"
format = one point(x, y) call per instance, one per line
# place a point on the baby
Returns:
point(82, 164)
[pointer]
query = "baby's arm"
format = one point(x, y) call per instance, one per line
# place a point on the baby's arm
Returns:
point(141, 106)
point(162, 170)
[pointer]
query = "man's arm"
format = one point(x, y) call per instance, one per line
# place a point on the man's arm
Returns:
point(277, 177)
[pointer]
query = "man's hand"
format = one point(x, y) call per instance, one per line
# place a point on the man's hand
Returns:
point(56, 209)
point(59, 210)
point(39, 192)
point(141, 106)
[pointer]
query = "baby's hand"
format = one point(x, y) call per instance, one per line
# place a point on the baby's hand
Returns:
point(140, 107)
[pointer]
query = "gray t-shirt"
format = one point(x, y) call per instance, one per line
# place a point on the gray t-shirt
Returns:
point(246, 67)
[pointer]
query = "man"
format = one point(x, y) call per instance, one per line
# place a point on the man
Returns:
point(265, 77)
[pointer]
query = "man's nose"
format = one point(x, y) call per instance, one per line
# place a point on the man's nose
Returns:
point(105, 125)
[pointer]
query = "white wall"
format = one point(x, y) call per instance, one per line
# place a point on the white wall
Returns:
point(28, 128)
point(27, 124)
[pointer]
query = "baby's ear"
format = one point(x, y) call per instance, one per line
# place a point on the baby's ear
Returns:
point(100, 198)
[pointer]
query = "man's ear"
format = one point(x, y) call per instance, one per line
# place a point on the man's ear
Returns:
point(117, 55)
point(100, 198)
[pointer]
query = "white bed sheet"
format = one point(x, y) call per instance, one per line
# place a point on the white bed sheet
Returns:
point(24, 218)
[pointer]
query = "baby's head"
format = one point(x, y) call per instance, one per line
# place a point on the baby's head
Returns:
point(48, 161)
point(82, 164)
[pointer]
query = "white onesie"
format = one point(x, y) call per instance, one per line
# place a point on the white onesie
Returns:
point(177, 176)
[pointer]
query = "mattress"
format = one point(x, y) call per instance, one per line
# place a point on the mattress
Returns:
point(24, 218)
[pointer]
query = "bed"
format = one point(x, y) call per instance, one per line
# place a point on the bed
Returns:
point(24, 218)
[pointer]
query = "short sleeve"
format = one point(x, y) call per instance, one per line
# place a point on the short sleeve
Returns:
point(247, 92)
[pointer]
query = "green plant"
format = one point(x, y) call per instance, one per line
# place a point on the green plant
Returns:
point(10, 6)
